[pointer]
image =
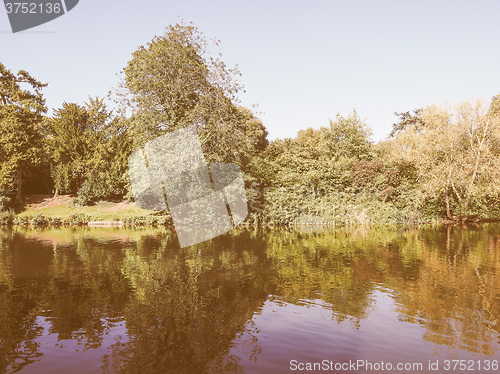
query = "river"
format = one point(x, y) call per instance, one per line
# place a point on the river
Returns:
point(99, 300)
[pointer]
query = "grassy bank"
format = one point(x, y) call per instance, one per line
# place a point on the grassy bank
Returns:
point(45, 210)
point(41, 210)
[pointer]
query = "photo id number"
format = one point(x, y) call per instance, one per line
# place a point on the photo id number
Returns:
point(33, 8)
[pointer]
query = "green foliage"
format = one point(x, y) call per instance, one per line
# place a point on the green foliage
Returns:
point(436, 163)
point(406, 120)
point(328, 176)
point(22, 220)
point(39, 220)
point(349, 137)
point(494, 108)
point(54, 221)
point(151, 220)
point(173, 82)
point(21, 113)
point(70, 140)
point(78, 219)
point(456, 156)
point(7, 218)
point(7, 187)
point(89, 149)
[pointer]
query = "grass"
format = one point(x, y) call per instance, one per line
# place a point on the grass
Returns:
point(63, 208)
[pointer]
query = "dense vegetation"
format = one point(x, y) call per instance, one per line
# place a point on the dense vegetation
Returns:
point(438, 163)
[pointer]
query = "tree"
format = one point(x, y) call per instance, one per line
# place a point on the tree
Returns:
point(312, 173)
point(323, 157)
point(494, 109)
point(108, 160)
point(174, 82)
point(70, 139)
point(88, 148)
point(21, 113)
point(349, 137)
point(407, 119)
point(457, 155)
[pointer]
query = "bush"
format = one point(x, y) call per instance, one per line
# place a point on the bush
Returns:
point(78, 219)
point(163, 220)
point(86, 194)
point(39, 220)
point(5, 202)
point(22, 220)
point(54, 221)
point(134, 221)
point(7, 218)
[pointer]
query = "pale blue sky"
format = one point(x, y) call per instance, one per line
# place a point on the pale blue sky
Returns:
point(302, 62)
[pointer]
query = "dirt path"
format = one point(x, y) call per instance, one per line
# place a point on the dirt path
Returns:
point(45, 201)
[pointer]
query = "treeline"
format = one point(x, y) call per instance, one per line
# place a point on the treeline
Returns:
point(438, 163)
point(83, 149)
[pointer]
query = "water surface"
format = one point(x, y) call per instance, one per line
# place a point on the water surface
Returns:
point(251, 301)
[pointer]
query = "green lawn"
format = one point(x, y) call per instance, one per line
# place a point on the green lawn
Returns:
point(103, 211)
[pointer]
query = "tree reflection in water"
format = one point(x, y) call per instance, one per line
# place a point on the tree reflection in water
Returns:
point(184, 309)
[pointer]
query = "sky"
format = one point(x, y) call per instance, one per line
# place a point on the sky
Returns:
point(301, 62)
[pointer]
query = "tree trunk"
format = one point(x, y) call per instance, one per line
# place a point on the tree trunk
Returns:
point(447, 196)
point(447, 199)
point(19, 184)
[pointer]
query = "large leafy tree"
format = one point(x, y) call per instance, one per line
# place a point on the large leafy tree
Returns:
point(322, 159)
point(22, 107)
point(349, 137)
point(457, 155)
point(88, 148)
point(70, 139)
point(111, 145)
point(173, 81)
point(314, 170)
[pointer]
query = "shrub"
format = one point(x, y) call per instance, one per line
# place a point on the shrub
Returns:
point(163, 220)
point(22, 220)
point(86, 194)
point(39, 220)
point(6, 218)
point(54, 221)
point(78, 219)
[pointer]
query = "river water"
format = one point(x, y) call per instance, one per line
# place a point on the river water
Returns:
point(100, 300)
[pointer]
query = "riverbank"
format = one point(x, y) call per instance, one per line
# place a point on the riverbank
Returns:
point(47, 210)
